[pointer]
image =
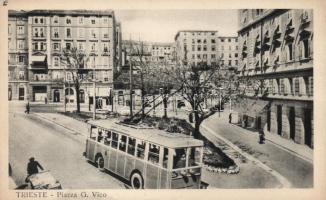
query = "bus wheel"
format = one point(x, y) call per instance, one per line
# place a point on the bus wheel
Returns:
point(136, 181)
point(100, 162)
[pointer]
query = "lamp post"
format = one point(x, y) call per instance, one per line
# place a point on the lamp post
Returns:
point(94, 92)
point(220, 100)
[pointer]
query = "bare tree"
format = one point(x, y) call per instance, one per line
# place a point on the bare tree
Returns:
point(75, 63)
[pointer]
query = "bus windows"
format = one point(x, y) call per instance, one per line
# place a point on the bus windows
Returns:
point(131, 146)
point(179, 158)
point(194, 156)
point(100, 136)
point(165, 158)
point(153, 154)
point(107, 138)
point(123, 143)
point(141, 150)
point(115, 138)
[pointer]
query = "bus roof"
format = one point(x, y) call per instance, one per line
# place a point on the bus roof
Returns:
point(160, 137)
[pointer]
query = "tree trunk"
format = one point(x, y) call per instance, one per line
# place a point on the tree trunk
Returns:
point(165, 104)
point(196, 132)
point(77, 97)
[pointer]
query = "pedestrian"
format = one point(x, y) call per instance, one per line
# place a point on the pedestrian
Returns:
point(32, 166)
point(27, 108)
point(45, 100)
point(230, 118)
point(261, 136)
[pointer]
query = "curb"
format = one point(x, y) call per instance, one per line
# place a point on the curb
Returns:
point(285, 183)
point(58, 124)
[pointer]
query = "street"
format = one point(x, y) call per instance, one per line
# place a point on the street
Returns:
point(57, 150)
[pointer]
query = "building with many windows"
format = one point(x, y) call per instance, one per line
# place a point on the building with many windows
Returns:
point(276, 50)
point(228, 50)
point(196, 46)
point(47, 33)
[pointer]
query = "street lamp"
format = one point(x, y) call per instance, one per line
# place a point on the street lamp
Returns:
point(220, 100)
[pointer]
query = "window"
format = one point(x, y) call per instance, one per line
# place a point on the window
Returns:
point(93, 21)
point(21, 59)
point(35, 46)
point(43, 46)
point(105, 20)
point(141, 150)
point(198, 41)
point(289, 52)
point(204, 56)
point(105, 33)
point(230, 56)
point(115, 138)
point(236, 47)
point(236, 55)
point(193, 56)
point(56, 61)
point(131, 146)
point(205, 48)
point(229, 40)
point(35, 20)
point(93, 33)
point(41, 20)
point(296, 86)
point(305, 48)
point(199, 48)
point(282, 86)
point(21, 30)
point(69, 78)
point(68, 20)
point(21, 75)
point(105, 47)
point(198, 56)
point(68, 32)
point(153, 154)
point(193, 41)
point(236, 62)
point(213, 41)
point(230, 62)
point(204, 41)
point(94, 46)
point(81, 20)
point(213, 56)
point(123, 143)
point(81, 46)
point(68, 45)
point(35, 32)
point(213, 48)
point(107, 138)
point(55, 19)
point(21, 44)
point(56, 46)
point(311, 86)
point(56, 32)
point(81, 33)
point(222, 40)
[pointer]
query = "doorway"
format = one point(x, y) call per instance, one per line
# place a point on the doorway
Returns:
point(307, 127)
point(268, 120)
point(56, 96)
point(279, 120)
point(292, 122)
point(21, 94)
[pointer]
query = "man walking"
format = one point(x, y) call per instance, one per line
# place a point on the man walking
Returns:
point(32, 166)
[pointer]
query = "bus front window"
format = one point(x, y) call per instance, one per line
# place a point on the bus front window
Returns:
point(179, 158)
point(194, 156)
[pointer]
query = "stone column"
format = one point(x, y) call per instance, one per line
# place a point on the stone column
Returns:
point(285, 122)
point(273, 119)
point(299, 125)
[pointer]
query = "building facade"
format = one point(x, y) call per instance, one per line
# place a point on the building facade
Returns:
point(276, 50)
point(228, 49)
point(196, 46)
point(18, 56)
point(47, 33)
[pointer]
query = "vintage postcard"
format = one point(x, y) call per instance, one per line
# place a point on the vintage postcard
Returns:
point(215, 99)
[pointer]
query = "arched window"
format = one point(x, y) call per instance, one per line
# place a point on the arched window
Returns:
point(69, 91)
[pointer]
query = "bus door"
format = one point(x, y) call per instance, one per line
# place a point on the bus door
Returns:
point(90, 145)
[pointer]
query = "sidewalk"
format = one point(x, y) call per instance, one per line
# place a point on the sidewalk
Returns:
point(292, 161)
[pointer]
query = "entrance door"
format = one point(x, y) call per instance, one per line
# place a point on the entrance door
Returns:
point(81, 96)
point(292, 122)
point(279, 120)
point(56, 96)
point(269, 120)
point(258, 123)
point(21, 93)
point(307, 127)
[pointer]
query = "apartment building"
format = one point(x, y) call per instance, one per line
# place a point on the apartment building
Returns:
point(18, 56)
point(196, 46)
point(48, 32)
point(276, 48)
point(228, 49)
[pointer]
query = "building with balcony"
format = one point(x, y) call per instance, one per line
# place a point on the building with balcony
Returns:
point(18, 56)
point(48, 32)
point(276, 54)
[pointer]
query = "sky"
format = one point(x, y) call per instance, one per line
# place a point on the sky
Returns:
point(162, 25)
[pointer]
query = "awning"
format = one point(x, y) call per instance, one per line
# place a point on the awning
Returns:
point(38, 58)
point(251, 107)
